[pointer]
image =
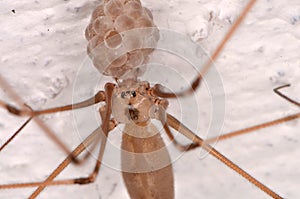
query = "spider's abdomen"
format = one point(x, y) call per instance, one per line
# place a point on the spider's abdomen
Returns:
point(121, 36)
point(146, 165)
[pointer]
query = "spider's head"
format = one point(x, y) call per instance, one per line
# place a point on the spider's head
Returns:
point(132, 103)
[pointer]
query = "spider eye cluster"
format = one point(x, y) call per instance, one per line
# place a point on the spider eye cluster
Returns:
point(126, 93)
point(113, 47)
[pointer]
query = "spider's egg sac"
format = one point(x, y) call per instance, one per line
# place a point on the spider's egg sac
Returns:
point(121, 36)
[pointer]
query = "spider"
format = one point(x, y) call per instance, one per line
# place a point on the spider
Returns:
point(242, 125)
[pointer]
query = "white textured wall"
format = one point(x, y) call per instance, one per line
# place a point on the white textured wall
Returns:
point(42, 46)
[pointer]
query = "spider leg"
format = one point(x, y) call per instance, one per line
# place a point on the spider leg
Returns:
point(229, 135)
point(159, 90)
point(178, 126)
point(105, 130)
point(99, 97)
point(254, 128)
point(276, 90)
point(15, 134)
point(79, 149)
point(161, 116)
point(27, 111)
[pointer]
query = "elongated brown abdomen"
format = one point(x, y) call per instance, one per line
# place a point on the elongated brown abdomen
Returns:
point(146, 164)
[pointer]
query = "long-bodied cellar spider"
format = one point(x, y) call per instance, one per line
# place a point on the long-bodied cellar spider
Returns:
point(251, 66)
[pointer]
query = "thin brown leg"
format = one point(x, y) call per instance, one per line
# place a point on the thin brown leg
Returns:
point(158, 90)
point(191, 146)
point(112, 124)
point(105, 128)
point(85, 180)
point(179, 146)
point(64, 164)
point(18, 131)
point(15, 134)
point(276, 90)
point(174, 123)
point(161, 116)
point(10, 93)
point(230, 134)
point(77, 151)
point(254, 128)
point(100, 96)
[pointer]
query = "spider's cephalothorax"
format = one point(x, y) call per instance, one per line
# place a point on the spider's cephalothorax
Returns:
point(133, 102)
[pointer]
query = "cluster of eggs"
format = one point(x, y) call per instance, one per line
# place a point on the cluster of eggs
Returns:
point(121, 36)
